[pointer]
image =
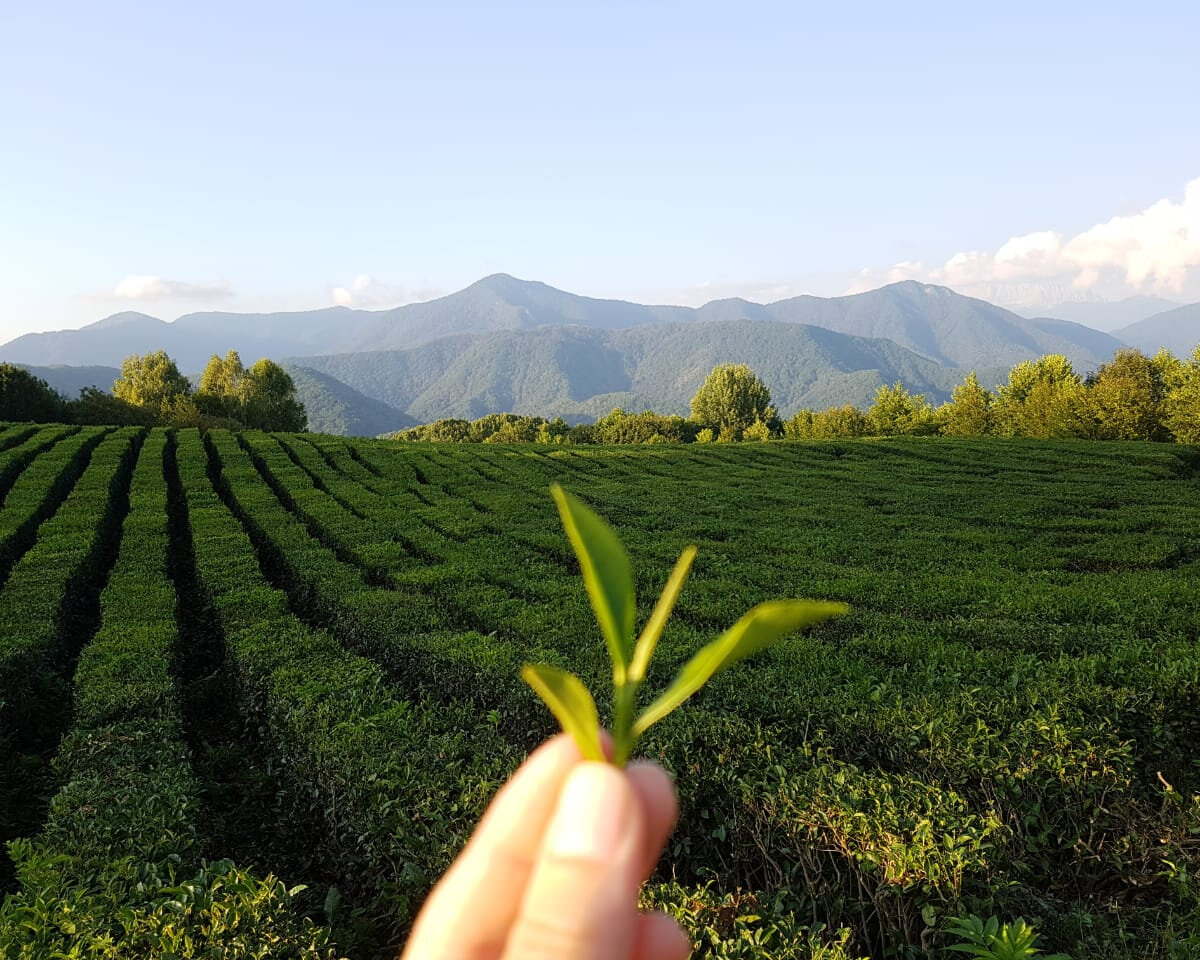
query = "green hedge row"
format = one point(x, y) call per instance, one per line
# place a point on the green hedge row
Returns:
point(396, 781)
point(39, 601)
point(411, 632)
point(118, 869)
point(15, 433)
point(36, 475)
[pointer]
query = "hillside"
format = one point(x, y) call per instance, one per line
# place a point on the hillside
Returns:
point(333, 407)
point(1178, 330)
point(70, 380)
point(574, 371)
point(932, 321)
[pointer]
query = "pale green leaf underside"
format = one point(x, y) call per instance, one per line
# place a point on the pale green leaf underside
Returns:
point(658, 618)
point(764, 625)
point(607, 574)
point(569, 701)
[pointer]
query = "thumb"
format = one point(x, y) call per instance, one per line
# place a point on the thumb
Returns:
point(581, 901)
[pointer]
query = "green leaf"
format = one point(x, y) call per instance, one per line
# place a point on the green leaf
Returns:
point(607, 574)
point(658, 619)
point(333, 900)
point(764, 625)
point(569, 700)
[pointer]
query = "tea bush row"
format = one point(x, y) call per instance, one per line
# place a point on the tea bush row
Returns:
point(397, 782)
point(119, 869)
point(47, 584)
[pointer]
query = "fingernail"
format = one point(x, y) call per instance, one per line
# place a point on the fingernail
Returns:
point(594, 814)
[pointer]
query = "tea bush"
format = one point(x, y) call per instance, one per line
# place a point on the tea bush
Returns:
point(1005, 725)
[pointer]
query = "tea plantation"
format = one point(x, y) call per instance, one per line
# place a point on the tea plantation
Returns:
point(257, 688)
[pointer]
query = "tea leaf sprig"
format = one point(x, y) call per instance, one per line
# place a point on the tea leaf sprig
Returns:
point(608, 578)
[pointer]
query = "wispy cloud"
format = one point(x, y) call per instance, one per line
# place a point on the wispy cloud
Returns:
point(1156, 250)
point(368, 293)
point(148, 288)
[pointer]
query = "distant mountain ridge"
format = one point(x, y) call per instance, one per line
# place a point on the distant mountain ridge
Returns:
point(935, 322)
point(1178, 330)
point(509, 344)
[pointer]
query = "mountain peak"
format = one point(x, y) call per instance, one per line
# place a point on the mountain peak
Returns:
point(124, 319)
point(507, 286)
point(921, 287)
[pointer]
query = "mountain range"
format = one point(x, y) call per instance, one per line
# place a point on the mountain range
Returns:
point(509, 344)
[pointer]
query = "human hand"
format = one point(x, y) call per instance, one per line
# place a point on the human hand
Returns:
point(553, 870)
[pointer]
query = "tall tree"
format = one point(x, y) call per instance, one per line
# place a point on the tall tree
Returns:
point(152, 381)
point(1125, 398)
point(896, 411)
point(731, 399)
point(269, 399)
point(223, 386)
point(969, 412)
point(1182, 403)
point(1043, 398)
point(26, 397)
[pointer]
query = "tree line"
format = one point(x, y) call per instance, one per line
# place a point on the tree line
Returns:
point(151, 391)
point(1132, 397)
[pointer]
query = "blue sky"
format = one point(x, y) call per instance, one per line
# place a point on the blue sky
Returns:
point(169, 157)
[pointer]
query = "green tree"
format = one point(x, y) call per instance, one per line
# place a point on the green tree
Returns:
point(969, 412)
point(95, 407)
point(152, 381)
point(620, 426)
point(896, 411)
point(1125, 398)
point(799, 425)
point(844, 421)
point(26, 397)
point(731, 399)
point(1182, 403)
point(554, 431)
point(269, 399)
point(831, 423)
point(1043, 398)
point(223, 387)
point(1171, 370)
point(757, 432)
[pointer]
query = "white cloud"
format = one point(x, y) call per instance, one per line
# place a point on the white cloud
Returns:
point(150, 288)
point(367, 293)
point(1156, 250)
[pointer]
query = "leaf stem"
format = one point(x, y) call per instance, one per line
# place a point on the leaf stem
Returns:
point(624, 704)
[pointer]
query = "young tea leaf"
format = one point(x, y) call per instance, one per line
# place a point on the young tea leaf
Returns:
point(764, 625)
point(569, 701)
point(658, 618)
point(607, 574)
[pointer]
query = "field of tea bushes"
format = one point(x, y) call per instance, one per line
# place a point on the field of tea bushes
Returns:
point(255, 689)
